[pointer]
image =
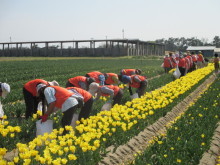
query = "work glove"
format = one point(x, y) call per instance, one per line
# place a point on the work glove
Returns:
point(44, 118)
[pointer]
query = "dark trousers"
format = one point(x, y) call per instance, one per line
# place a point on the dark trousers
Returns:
point(166, 70)
point(68, 84)
point(67, 117)
point(117, 98)
point(193, 66)
point(142, 88)
point(31, 103)
point(86, 109)
point(182, 71)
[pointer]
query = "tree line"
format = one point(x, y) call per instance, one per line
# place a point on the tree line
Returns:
point(181, 44)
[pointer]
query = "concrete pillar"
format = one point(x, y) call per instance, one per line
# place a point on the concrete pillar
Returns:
point(127, 49)
point(31, 50)
point(77, 48)
point(112, 44)
point(137, 48)
point(46, 48)
point(3, 48)
point(106, 44)
point(61, 48)
point(9, 50)
point(16, 49)
point(93, 49)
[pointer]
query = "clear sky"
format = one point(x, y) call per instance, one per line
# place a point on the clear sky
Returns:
point(148, 20)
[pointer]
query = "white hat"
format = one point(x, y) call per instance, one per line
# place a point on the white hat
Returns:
point(54, 83)
point(39, 86)
point(5, 89)
point(93, 87)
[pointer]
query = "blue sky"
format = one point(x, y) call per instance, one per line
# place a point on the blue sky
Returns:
point(49, 20)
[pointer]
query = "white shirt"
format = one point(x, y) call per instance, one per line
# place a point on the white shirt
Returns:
point(49, 93)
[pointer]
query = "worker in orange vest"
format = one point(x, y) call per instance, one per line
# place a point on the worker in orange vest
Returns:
point(200, 60)
point(167, 64)
point(58, 98)
point(98, 76)
point(182, 65)
point(135, 81)
point(129, 72)
point(87, 101)
point(187, 63)
point(194, 59)
point(30, 95)
point(114, 92)
point(80, 82)
point(111, 79)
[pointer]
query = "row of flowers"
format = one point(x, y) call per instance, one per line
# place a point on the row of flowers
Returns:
point(91, 136)
point(189, 135)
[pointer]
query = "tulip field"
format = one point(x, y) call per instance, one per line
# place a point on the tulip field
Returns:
point(98, 139)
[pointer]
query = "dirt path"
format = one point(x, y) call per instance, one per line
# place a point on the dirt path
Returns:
point(124, 154)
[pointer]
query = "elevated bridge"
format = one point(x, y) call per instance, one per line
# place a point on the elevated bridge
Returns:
point(76, 48)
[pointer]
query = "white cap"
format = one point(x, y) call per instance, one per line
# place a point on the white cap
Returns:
point(93, 87)
point(5, 89)
point(39, 86)
point(54, 83)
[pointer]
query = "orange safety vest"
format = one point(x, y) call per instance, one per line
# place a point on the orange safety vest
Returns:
point(86, 95)
point(109, 79)
point(135, 84)
point(194, 58)
point(114, 88)
point(200, 57)
point(61, 95)
point(95, 75)
point(167, 62)
point(75, 80)
point(182, 63)
point(31, 85)
point(127, 72)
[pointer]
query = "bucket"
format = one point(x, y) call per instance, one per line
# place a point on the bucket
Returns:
point(74, 119)
point(45, 127)
point(177, 73)
point(134, 96)
point(106, 107)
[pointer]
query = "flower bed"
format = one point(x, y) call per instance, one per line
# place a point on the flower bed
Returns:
point(84, 145)
point(189, 137)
